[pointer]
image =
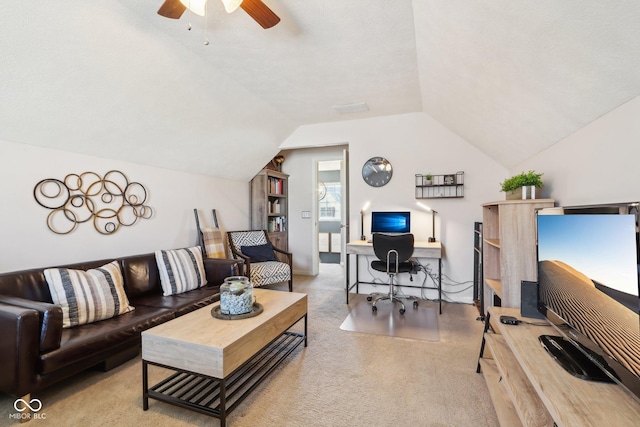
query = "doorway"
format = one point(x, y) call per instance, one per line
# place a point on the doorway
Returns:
point(330, 211)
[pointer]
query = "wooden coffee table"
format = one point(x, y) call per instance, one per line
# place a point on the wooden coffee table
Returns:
point(217, 363)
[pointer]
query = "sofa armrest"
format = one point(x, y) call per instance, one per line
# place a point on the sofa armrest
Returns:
point(19, 343)
point(50, 317)
point(218, 269)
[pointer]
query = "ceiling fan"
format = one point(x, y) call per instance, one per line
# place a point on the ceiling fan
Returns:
point(259, 11)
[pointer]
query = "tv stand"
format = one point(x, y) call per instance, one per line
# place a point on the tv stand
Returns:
point(572, 359)
point(528, 388)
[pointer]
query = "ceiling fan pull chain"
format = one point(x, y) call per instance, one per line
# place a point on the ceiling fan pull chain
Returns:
point(206, 26)
point(189, 12)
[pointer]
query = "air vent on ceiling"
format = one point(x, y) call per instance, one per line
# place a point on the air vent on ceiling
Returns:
point(351, 108)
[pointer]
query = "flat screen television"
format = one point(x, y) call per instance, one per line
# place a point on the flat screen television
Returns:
point(390, 222)
point(588, 288)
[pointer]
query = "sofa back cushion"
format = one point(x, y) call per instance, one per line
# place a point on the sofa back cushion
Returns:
point(32, 285)
point(141, 275)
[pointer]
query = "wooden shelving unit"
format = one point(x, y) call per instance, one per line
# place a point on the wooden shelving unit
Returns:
point(478, 279)
point(528, 388)
point(509, 248)
point(269, 206)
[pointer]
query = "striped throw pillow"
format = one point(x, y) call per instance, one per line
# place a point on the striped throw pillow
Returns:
point(88, 296)
point(181, 270)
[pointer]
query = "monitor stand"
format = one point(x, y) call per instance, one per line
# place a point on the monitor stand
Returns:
point(572, 359)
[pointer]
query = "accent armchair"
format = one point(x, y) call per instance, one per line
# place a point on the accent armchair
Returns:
point(262, 265)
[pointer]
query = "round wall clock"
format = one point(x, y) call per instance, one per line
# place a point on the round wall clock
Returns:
point(377, 171)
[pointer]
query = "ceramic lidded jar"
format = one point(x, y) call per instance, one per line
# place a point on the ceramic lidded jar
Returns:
point(236, 295)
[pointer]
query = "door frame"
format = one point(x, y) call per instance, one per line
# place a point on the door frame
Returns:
point(344, 214)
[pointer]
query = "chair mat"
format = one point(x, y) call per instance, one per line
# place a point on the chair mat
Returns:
point(416, 323)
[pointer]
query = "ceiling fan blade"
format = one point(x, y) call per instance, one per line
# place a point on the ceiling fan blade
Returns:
point(172, 9)
point(260, 12)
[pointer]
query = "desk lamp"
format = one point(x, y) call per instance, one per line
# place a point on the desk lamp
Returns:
point(433, 220)
point(364, 208)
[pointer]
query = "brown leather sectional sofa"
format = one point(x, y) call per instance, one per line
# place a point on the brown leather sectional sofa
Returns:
point(35, 351)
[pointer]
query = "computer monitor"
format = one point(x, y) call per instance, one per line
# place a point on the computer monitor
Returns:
point(390, 222)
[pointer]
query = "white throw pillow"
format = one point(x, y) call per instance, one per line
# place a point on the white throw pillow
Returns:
point(88, 296)
point(181, 270)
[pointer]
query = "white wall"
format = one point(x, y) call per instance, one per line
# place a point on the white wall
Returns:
point(413, 143)
point(26, 241)
point(597, 164)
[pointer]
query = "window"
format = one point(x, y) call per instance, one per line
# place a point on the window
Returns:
point(330, 203)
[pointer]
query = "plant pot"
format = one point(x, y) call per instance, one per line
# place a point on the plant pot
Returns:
point(523, 193)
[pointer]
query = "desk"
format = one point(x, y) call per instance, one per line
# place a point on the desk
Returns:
point(421, 249)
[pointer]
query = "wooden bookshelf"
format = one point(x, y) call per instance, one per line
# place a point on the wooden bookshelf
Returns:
point(269, 206)
point(509, 248)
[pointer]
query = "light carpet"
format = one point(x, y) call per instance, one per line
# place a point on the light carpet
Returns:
point(341, 379)
point(419, 323)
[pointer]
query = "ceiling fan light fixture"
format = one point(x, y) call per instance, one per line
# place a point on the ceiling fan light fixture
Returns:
point(196, 6)
point(231, 5)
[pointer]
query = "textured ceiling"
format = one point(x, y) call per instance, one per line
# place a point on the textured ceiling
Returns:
point(514, 77)
point(114, 79)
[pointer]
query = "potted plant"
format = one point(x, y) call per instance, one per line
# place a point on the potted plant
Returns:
point(522, 186)
point(428, 179)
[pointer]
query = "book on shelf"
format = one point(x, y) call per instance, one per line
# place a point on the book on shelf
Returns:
point(275, 207)
point(277, 224)
point(276, 186)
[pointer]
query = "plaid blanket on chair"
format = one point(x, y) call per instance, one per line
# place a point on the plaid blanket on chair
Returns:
point(213, 243)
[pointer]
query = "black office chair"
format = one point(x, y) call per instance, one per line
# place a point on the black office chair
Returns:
point(394, 253)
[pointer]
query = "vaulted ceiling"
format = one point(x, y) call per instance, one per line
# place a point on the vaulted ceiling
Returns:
point(114, 79)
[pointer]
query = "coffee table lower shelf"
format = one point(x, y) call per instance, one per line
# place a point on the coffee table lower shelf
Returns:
point(214, 396)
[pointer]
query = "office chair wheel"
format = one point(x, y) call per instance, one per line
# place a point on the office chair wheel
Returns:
point(374, 308)
point(415, 304)
point(369, 298)
point(402, 311)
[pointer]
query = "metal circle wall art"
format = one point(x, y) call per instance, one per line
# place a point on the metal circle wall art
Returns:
point(110, 201)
